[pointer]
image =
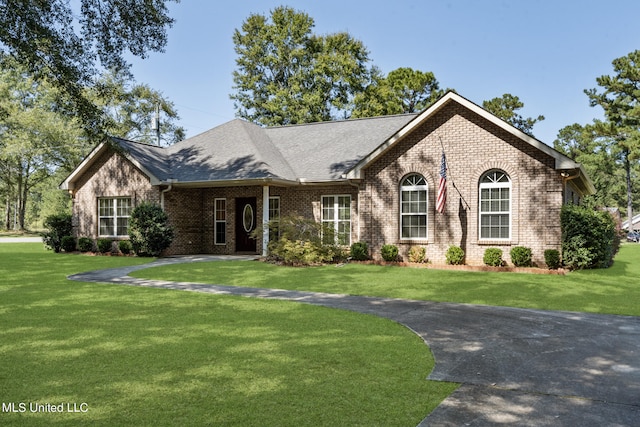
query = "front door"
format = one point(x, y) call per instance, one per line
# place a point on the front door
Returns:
point(245, 224)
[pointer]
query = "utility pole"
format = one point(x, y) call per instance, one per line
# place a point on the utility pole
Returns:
point(155, 124)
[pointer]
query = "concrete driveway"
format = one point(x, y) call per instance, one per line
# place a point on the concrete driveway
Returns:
point(515, 366)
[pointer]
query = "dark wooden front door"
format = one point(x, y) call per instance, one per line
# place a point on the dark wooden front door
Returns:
point(245, 224)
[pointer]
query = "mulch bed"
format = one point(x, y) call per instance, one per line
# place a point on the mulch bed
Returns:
point(525, 270)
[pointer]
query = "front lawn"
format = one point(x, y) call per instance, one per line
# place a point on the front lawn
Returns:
point(615, 290)
point(123, 355)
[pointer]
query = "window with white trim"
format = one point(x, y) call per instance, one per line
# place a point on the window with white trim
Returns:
point(274, 217)
point(336, 214)
point(495, 206)
point(220, 221)
point(413, 207)
point(113, 216)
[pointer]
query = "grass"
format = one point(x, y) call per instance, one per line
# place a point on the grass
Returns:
point(139, 356)
point(615, 290)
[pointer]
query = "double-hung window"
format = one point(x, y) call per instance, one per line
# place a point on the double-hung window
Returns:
point(495, 206)
point(413, 207)
point(336, 215)
point(113, 216)
point(220, 221)
point(274, 217)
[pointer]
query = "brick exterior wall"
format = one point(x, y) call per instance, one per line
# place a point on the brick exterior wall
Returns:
point(473, 146)
point(110, 175)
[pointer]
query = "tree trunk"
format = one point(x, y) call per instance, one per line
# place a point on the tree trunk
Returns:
point(627, 167)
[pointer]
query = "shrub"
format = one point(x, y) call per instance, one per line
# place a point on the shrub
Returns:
point(455, 255)
point(359, 251)
point(68, 243)
point(493, 257)
point(303, 241)
point(389, 252)
point(149, 230)
point(58, 226)
point(417, 254)
point(124, 246)
point(104, 245)
point(552, 258)
point(85, 244)
point(521, 256)
point(588, 237)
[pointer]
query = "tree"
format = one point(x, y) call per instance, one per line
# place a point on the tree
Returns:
point(34, 139)
point(55, 42)
point(600, 159)
point(130, 108)
point(620, 100)
point(404, 90)
point(287, 75)
point(505, 108)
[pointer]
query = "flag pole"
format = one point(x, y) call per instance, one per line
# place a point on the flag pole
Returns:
point(444, 168)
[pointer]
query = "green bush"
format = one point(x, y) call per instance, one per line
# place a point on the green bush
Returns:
point(389, 252)
point(58, 226)
point(455, 255)
point(303, 241)
point(68, 243)
point(521, 256)
point(588, 237)
point(85, 244)
point(149, 230)
point(417, 254)
point(493, 257)
point(359, 251)
point(124, 246)
point(104, 245)
point(552, 258)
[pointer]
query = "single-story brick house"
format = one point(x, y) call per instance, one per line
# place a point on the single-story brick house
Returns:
point(375, 180)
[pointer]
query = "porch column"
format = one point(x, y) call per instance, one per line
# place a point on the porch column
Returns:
point(265, 219)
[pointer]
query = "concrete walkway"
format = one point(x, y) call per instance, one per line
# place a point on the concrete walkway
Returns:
point(516, 366)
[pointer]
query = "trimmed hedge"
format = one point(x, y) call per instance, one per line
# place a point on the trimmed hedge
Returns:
point(455, 255)
point(552, 258)
point(493, 257)
point(389, 252)
point(68, 243)
point(104, 245)
point(520, 256)
point(359, 251)
point(417, 254)
point(588, 237)
point(85, 244)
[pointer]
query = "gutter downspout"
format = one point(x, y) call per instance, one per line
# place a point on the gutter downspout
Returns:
point(166, 190)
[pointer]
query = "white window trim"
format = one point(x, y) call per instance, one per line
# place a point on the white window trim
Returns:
point(114, 234)
point(335, 221)
point(216, 221)
point(487, 185)
point(424, 187)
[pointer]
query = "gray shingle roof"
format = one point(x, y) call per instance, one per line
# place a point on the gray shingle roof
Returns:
point(239, 150)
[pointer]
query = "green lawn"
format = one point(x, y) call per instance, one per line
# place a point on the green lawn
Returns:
point(139, 356)
point(615, 290)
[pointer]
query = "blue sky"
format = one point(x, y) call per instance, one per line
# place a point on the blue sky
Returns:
point(546, 52)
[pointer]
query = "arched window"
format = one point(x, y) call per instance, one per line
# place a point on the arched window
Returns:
point(413, 207)
point(495, 206)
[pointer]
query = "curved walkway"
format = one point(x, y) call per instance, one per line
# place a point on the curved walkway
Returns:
point(516, 366)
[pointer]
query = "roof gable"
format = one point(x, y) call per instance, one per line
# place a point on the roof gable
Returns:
point(562, 162)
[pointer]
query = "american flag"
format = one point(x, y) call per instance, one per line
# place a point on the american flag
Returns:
point(442, 185)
